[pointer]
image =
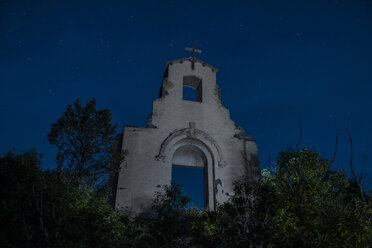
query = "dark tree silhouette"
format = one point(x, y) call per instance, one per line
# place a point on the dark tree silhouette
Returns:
point(86, 144)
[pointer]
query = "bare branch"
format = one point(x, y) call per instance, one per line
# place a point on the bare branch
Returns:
point(300, 138)
point(361, 176)
point(269, 163)
point(359, 182)
point(313, 146)
point(39, 210)
point(334, 154)
point(362, 171)
point(351, 156)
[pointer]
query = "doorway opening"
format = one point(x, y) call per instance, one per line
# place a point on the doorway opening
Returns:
point(192, 182)
point(189, 168)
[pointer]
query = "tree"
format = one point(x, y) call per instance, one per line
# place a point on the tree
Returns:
point(171, 224)
point(316, 207)
point(17, 212)
point(300, 204)
point(87, 150)
point(169, 221)
point(39, 210)
point(34, 202)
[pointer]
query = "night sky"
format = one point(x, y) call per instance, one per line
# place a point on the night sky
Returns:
point(279, 62)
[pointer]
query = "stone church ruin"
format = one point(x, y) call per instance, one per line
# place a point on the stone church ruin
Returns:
point(196, 132)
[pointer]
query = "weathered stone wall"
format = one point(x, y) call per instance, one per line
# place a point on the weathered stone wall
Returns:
point(175, 123)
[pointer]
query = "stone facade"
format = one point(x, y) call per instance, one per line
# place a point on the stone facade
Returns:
point(196, 133)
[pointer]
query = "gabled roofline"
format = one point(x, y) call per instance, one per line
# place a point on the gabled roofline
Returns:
point(214, 69)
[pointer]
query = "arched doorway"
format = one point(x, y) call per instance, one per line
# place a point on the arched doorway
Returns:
point(189, 168)
point(193, 157)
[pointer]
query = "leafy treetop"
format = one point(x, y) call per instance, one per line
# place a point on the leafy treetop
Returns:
point(86, 144)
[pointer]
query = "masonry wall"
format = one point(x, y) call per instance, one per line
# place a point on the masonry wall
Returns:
point(148, 151)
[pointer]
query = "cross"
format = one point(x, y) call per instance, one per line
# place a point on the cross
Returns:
point(193, 50)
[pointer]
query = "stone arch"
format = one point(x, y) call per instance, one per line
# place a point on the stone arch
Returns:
point(189, 155)
point(202, 142)
point(197, 134)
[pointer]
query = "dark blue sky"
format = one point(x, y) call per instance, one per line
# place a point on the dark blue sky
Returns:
point(279, 62)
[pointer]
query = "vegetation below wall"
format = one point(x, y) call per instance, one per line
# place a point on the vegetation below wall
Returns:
point(301, 203)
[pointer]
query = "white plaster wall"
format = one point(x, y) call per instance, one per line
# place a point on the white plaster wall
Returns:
point(142, 174)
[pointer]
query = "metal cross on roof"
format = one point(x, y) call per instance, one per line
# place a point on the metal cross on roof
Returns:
point(193, 51)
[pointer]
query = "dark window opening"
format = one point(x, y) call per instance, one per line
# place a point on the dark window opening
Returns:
point(192, 89)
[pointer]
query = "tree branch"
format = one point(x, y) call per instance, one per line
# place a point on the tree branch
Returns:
point(351, 156)
point(39, 210)
point(362, 171)
point(300, 138)
point(334, 154)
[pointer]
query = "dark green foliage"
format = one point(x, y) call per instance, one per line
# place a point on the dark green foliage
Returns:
point(313, 206)
point(91, 222)
point(302, 203)
point(18, 174)
point(242, 222)
point(171, 224)
point(33, 202)
point(39, 210)
point(167, 224)
point(86, 145)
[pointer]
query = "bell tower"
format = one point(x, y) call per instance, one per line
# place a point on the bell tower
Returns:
point(186, 131)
